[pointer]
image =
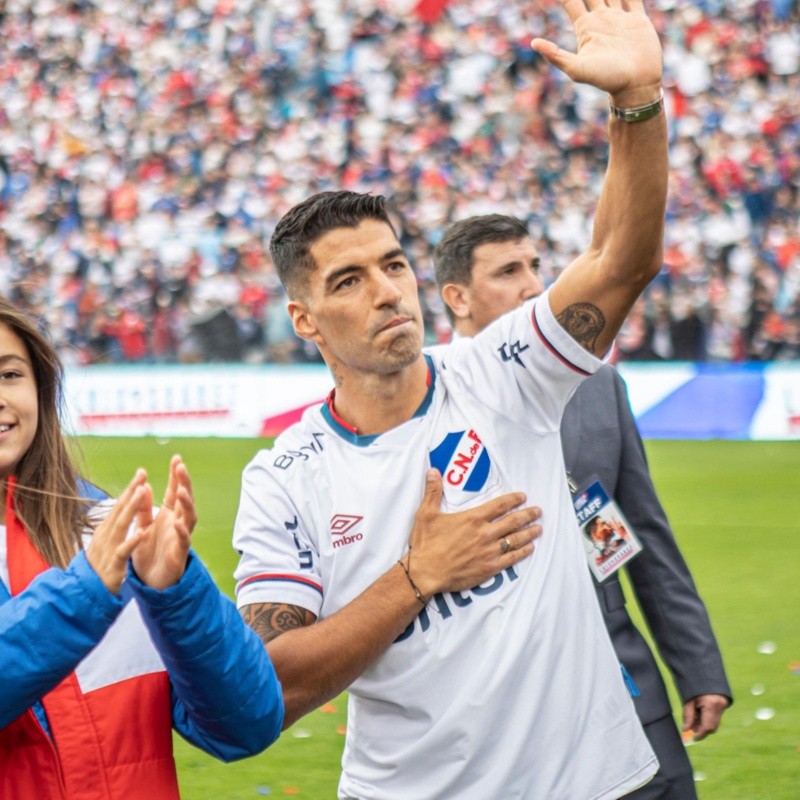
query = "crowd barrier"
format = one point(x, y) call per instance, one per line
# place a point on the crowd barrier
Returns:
point(669, 400)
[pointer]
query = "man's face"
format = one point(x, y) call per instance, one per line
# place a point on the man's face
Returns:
point(504, 275)
point(360, 305)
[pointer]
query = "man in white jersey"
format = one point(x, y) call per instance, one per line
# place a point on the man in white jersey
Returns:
point(486, 266)
point(510, 689)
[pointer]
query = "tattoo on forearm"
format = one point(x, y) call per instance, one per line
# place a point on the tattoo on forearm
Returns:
point(583, 322)
point(270, 620)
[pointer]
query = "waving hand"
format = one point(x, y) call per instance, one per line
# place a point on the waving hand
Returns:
point(618, 49)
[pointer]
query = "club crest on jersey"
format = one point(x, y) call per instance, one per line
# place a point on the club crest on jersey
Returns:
point(341, 525)
point(463, 460)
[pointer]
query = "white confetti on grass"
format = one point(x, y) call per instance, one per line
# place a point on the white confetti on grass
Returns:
point(757, 689)
point(765, 713)
point(301, 733)
point(767, 648)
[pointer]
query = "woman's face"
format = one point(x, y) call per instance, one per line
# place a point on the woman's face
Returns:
point(19, 408)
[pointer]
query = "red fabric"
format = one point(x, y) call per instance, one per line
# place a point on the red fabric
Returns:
point(28, 762)
point(25, 562)
point(430, 10)
point(272, 426)
point(140, 767)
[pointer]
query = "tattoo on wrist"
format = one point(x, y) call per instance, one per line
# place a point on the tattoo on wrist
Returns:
point(583, 322)
point(270, 620)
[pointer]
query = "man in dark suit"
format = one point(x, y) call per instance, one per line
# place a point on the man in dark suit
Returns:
point(486, 266)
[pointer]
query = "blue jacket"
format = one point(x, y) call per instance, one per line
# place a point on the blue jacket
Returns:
point(226, 698)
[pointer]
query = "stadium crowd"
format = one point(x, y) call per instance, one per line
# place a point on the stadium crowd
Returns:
point(147, 150)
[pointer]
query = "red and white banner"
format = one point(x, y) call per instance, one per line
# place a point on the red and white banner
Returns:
point(670, 401)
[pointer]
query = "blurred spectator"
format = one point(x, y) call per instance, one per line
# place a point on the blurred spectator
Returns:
point(148, 149)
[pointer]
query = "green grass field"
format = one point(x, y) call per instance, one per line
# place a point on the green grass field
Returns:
point(734, 508)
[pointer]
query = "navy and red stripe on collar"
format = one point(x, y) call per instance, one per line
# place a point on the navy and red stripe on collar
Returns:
point(350, 434)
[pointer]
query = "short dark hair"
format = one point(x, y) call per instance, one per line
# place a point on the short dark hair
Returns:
point(306, 222)
point(453, 256)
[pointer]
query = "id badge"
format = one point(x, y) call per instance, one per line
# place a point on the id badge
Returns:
point(608, 539)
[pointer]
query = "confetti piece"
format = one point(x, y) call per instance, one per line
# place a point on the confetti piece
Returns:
point(767, 648)
point(765, 713)
point(263, 790)
point(794, 666)
point(688, 737)
point(699, 776)
point(291, 790)
point(328, 708)
point(301, 733)
point(757, 689)
point(161, 440)
point(341, 729)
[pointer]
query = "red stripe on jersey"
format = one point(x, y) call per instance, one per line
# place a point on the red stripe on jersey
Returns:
point(552, 347)
point(276, 576)
point(345, 425)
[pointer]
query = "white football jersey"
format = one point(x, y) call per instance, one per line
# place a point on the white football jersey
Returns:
point(509, 690)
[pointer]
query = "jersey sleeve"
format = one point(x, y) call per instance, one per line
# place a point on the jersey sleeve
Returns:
point(524, 366)
point(277, 563)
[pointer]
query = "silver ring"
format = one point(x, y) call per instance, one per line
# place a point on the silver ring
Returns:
point(505, 545)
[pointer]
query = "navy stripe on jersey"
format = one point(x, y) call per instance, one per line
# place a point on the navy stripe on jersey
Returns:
point(279, 577)
point(552, 348)
point(349, 435)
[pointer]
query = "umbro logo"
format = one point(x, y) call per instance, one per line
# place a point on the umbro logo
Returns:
point(341, 525)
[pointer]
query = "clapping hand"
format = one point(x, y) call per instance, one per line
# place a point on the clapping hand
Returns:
point(160, 557)
point(109, 550)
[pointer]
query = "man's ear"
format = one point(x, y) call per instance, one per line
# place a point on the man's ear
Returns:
point(456, 298)
point(302, 320)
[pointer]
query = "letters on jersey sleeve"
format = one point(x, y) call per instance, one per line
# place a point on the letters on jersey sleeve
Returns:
point(524, 366)
point(269, 531)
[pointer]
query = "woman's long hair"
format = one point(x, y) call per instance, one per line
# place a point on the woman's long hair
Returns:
point(45, 498)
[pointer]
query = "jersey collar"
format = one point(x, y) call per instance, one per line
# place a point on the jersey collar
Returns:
point(350, 434)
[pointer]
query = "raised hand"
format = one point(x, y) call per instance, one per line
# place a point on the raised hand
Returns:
point(618, 50)
point(456, 551)
point(109, 550)
point(160, 558)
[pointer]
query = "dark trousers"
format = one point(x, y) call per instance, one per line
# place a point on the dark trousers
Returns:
point(675, 777)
